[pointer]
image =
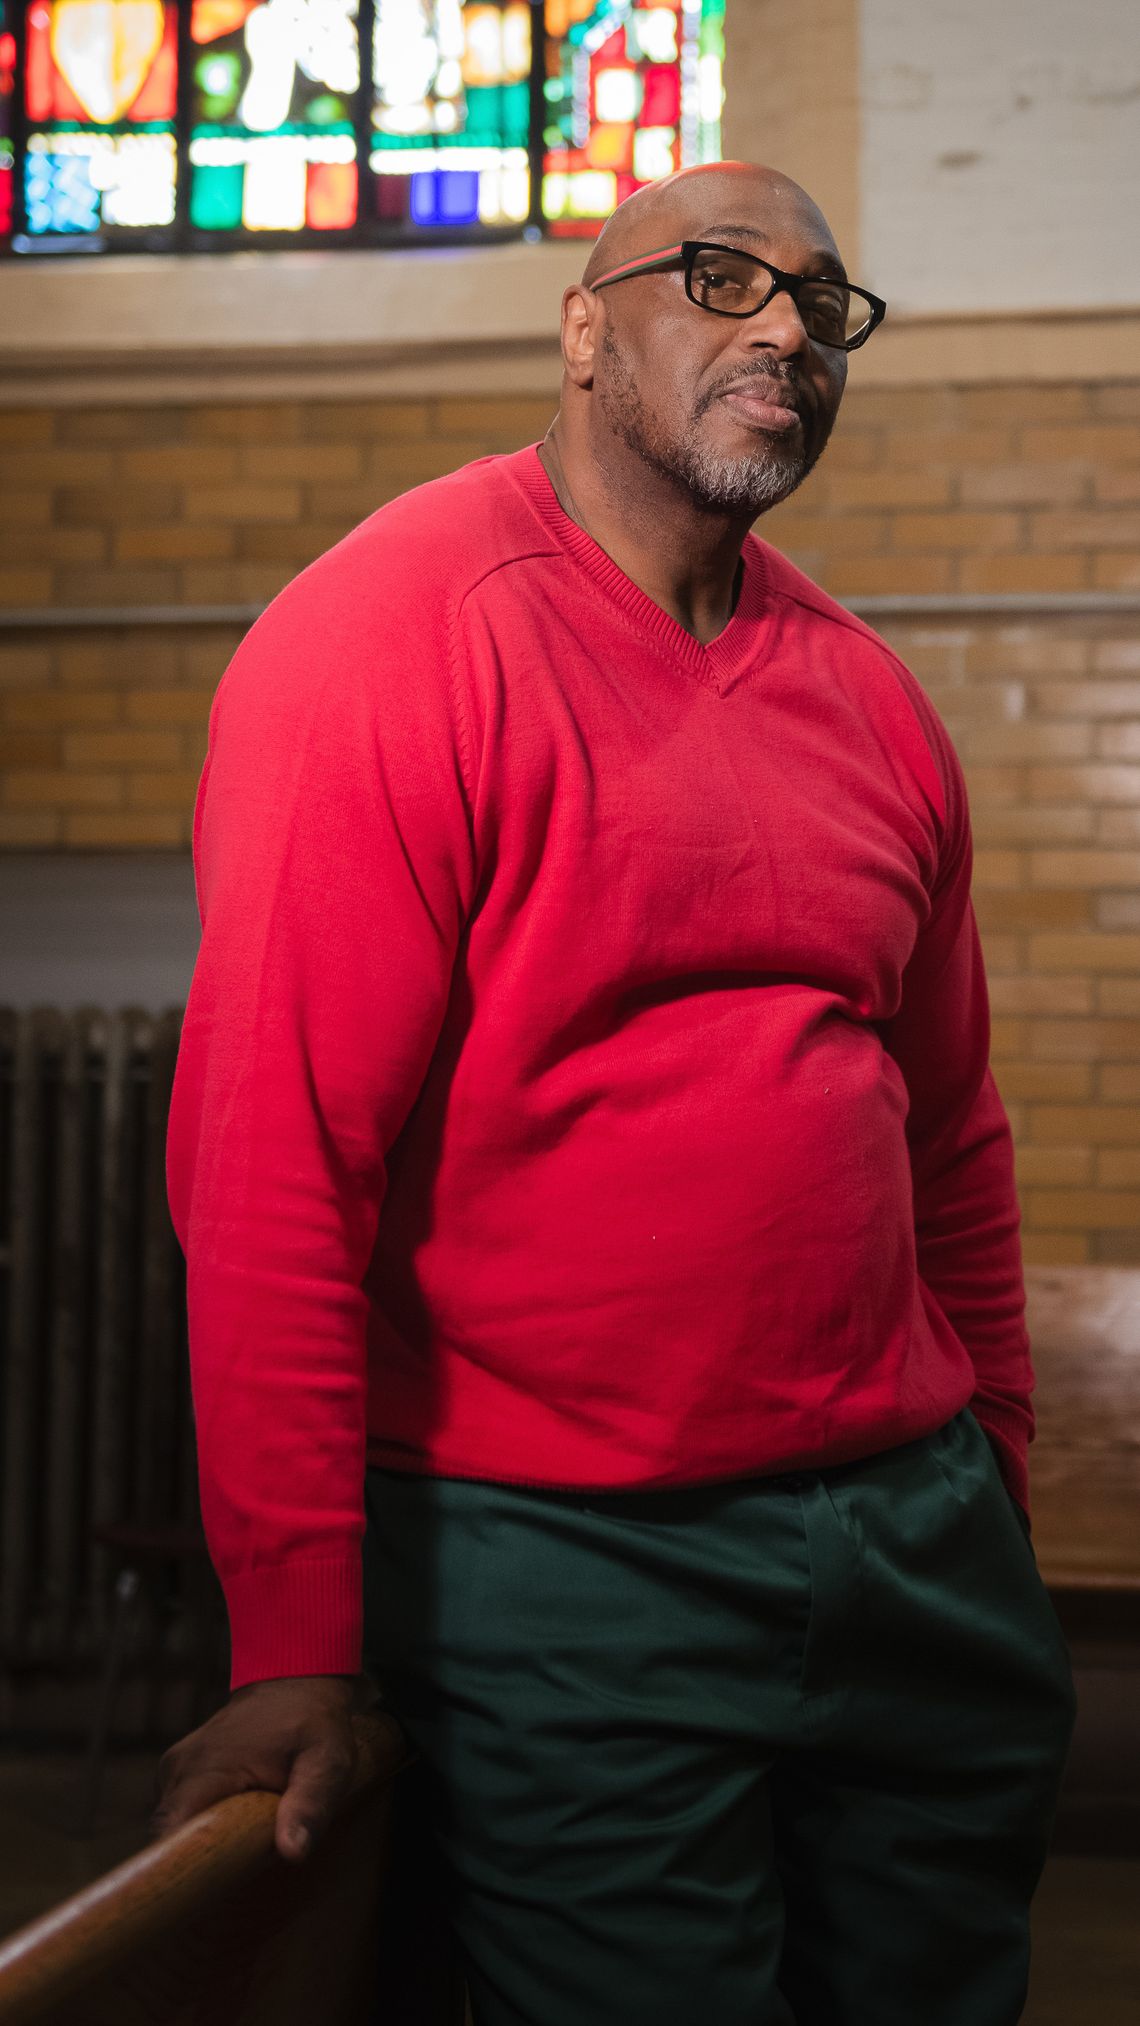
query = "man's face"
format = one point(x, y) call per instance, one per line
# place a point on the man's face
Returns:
point(735, 410)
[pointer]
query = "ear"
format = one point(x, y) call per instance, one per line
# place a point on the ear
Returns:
point(581, 314)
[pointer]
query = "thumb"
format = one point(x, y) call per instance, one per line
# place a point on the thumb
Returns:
point(320, 1775)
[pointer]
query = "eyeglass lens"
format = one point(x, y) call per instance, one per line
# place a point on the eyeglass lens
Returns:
point(733, 282)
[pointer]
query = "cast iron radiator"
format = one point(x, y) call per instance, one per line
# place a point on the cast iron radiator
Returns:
point(96, 1422)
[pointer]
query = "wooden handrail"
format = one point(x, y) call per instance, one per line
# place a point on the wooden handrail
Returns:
point(140, 1934)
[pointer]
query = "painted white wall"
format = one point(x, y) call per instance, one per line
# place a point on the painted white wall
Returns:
point(1001, 153)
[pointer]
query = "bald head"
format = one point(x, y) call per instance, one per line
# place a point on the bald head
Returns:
point(691, 202)
point(729, 411)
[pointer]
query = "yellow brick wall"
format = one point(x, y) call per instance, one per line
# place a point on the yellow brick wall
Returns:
point(940, 490)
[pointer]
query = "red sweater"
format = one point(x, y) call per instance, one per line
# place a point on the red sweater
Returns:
point(584, 1079)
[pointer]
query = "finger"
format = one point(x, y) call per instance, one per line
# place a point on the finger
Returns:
point(321, 1775)
point(192, 1796)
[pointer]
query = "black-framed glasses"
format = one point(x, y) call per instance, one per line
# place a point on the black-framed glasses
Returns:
point(731, 283)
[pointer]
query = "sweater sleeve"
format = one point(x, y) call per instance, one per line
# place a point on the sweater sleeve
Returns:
point(334, 870)
point(966, 1212)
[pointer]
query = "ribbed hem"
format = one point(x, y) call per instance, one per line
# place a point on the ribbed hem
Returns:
point(736, 650)
point(1007, 1432)
point(295, 1618)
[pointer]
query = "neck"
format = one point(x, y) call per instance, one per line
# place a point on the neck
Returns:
point(687, 562)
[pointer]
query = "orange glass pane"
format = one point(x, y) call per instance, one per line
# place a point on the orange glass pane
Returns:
point(560, 14)
point(158, 99)
point(211, 18)
point(330, 195)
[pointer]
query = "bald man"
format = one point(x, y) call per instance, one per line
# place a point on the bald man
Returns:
point(605, 1296)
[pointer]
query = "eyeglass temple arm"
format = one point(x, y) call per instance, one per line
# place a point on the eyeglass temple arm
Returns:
point(645, 264)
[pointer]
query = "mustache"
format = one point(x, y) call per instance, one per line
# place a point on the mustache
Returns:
point(776, 375)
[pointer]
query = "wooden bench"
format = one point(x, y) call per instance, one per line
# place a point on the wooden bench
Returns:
point(1084, 1464)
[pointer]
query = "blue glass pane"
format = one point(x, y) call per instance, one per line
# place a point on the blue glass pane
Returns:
point(445, 197)
point(59, 194)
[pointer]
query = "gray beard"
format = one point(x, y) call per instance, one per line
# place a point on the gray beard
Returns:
point(716, 484)
point(739, 484)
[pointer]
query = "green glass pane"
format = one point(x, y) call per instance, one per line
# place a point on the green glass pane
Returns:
point(210, 130)
point(482, 123)
point(135, 127)
point(215, 197)
point(498, 115)
point(516, 114)
point(710, 41)
point(217, 78)
point(325, 111)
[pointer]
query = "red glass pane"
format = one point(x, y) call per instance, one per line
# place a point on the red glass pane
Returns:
point(330, 195)
point(393, 197)
point(39, 70)
point(609, 53)
point(574, 228)
point(661, 106)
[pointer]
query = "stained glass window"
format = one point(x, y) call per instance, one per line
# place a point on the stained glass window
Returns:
point(451, 112)
point(100, 91)
point(632, 92)
point(126, 124)
point(273, 92)
point(7, 92)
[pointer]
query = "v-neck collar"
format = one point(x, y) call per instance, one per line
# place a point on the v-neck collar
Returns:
point(721, 662)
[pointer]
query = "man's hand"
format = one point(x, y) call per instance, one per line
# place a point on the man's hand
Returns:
point(291, 1736)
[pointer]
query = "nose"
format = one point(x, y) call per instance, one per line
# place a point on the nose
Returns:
point(779, 328)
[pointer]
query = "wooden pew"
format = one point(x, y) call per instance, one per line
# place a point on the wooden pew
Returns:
point(208, 1926)
point(1084, 1464)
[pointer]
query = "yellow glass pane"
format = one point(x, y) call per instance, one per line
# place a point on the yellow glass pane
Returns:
point(609, 147)
point(591, 193)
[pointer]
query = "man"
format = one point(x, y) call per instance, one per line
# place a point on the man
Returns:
point(595, 1194)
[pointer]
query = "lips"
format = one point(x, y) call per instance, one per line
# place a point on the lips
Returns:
point(765, 404)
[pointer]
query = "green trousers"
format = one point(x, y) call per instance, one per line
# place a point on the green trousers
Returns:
point(784, 1751)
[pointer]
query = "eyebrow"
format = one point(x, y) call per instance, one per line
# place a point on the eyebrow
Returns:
point(821, 259)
